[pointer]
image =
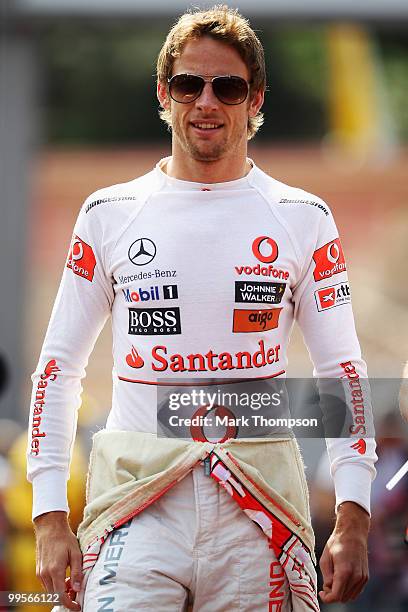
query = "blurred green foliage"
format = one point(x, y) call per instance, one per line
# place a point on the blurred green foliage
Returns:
point(393, 48)
point(99, 84)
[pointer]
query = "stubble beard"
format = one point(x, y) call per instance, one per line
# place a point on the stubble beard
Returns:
point(204, 151)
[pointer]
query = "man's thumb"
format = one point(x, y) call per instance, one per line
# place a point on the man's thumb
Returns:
point(326, 566)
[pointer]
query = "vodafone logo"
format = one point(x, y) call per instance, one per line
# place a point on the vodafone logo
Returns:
point(198, 422)
point(333, 252)
point(329, 260)
point(77, 249)
point(81, 259)
point(265, 249)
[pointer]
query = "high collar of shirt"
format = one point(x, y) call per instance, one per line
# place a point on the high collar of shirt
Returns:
point(180, 185)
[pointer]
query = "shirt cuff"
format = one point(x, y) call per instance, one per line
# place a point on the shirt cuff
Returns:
point(353, 483)
point(49, 492)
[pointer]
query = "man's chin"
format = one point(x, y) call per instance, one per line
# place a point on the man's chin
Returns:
point(207, 154)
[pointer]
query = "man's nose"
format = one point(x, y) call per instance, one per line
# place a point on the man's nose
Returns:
point(207, 99)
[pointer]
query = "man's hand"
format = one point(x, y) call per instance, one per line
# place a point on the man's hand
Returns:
point(344, 561)
point(57, 548)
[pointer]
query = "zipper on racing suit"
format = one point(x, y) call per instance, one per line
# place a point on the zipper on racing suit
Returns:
point(207, 466)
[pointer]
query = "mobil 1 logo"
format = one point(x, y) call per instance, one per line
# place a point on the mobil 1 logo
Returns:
point(154, 321)
point(167, 292)
point(258, 291)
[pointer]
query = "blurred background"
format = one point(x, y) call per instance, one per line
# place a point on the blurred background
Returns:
point(78, 112)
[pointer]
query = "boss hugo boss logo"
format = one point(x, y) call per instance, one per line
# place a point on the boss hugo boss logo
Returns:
point(154, 321)
point(142, 251)
point(167, 292)
point(258, 291)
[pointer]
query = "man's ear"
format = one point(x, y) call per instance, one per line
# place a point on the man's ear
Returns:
point(256, 102)
point(162, 95)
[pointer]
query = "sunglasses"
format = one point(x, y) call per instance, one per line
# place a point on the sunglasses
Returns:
point(185, 88)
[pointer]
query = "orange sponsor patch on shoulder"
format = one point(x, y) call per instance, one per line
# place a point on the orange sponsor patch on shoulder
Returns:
point(247, 321)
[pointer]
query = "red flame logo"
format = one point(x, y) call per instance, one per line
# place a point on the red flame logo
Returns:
point(50, 370)
point(360, 446)
point(134, 360)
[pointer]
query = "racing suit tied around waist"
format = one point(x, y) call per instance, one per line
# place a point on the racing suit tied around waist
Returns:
point(123, 482)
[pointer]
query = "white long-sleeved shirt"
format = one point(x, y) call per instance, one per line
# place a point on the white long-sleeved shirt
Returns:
point(186, 270)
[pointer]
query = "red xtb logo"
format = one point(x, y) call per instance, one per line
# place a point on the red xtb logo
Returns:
point(265, 249)
point(327, 297)
point(81, 258)
point(360, 446)
point(133, 359)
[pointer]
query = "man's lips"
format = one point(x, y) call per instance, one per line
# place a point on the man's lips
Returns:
point(206, 129)
point(206, 126)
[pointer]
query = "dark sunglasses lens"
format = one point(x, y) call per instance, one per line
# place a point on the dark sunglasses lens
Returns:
point(230, 90)
point(185, 88)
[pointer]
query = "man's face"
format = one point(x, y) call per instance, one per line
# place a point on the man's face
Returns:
point(208, 57)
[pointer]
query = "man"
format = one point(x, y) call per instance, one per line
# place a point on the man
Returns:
point(188, 238)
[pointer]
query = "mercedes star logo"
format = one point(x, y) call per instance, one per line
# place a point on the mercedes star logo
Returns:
point(142, 251)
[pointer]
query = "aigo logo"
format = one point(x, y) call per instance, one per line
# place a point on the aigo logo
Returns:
point(255, 320)
point(329, 260)
point(262, 245)
point(81, 259)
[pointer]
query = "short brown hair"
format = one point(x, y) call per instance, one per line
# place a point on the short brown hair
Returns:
point(226, 25)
